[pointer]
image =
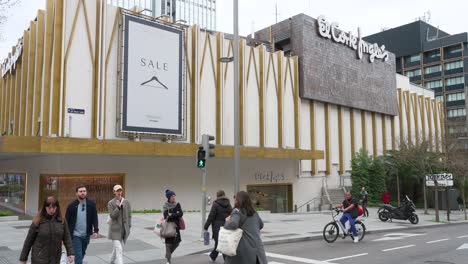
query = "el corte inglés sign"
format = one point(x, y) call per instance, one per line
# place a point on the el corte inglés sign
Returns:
point(331, 31)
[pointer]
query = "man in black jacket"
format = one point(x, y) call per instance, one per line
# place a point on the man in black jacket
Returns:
point(350, 213)
point(219, 211)
point(82, 222)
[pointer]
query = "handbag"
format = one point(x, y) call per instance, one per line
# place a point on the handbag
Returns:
point(228, 241)
point(168, 229)
point(181, 223)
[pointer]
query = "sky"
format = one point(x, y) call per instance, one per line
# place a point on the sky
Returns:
point(370, 15)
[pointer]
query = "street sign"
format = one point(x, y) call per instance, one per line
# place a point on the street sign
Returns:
point(443, 179)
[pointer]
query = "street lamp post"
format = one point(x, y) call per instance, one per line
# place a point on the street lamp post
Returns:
point(236, 98)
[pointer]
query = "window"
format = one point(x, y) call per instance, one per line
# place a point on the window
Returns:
point(434, 84)
point(457, 112)
point(412, 58)
point(455, 97)
point(433, 54)
point(439, 98)
point(413, 73)
point(453, 49)
point(454, 81)
point(433, 69)
point(453, 65)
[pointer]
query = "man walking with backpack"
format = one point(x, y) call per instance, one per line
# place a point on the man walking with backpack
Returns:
point(350, 213)
point(82, 222)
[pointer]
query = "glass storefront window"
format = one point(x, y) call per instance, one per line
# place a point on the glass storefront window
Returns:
point(12, 191)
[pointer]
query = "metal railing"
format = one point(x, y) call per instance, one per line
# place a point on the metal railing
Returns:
point(298, 209)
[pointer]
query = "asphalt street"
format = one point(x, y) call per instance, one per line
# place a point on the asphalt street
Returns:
point(435, 245)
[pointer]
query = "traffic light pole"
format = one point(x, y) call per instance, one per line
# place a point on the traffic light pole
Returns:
point(203, 200)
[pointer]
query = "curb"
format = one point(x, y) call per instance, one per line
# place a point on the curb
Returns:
point(319, 237)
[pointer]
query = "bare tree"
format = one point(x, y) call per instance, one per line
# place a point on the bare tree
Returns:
point(5, 6)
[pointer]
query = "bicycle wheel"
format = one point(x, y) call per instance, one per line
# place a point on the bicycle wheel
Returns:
point(330, 232)
point(361, 228)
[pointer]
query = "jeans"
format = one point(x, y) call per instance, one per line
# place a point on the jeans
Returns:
point(347, 217)
point(80, 244)
point(214, 253)
point(170, 248)
point(117, 252)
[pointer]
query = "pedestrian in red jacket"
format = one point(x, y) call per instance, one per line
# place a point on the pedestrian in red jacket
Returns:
point(385, 197)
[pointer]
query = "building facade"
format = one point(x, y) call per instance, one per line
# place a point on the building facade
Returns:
point(189, 12)
point(436, 60)
point(105, 101)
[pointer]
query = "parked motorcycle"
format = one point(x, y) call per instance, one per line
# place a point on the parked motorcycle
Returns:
point(405, 212)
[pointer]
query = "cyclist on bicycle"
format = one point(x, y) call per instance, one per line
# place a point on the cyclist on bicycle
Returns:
point(350, 213)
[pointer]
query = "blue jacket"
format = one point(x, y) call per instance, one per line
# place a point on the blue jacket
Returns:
point(91, 216)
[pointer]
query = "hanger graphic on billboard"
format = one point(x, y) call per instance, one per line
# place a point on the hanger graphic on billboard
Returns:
point(154, 82)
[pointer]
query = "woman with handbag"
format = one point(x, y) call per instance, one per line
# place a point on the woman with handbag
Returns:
point(220, 210)
point(244, 216)
point(172, 214)
point(46, 234)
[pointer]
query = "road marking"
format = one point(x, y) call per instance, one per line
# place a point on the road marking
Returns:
point(396, 236)
point(390, 249)
point(297, 259)
point(274, 263)
point(435, 241)
point(347, 257)
point(462, 236)
point(464, 246)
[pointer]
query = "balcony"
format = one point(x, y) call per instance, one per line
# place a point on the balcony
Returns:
point(451, 55)
point(453, 71)
point(415, 78)
point(454, 87)
point(455, 103)
point(432, 75)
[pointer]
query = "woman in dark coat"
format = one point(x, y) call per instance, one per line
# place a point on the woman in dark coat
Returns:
point(244, 216)
point(220, 210)
point(172, 213)
point(46, 234)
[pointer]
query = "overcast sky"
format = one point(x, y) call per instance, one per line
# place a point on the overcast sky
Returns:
point(370, 15)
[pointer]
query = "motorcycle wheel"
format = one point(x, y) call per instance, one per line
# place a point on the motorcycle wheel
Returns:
point(383, 216)
point(330, 232)
point(414, 219)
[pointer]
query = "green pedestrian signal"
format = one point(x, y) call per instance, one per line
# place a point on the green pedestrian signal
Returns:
point(201, 158)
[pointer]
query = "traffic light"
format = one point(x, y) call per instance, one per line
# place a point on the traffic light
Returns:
point(207, 146)
point(201, 161)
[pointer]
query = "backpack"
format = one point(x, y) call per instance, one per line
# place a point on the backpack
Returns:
point(360, 211)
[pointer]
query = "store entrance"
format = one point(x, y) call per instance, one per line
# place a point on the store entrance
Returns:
point(276, 198)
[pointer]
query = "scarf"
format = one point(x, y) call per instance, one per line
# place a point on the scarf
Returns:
point(169, 206)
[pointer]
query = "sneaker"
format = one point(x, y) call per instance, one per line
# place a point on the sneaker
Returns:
point(356, 239)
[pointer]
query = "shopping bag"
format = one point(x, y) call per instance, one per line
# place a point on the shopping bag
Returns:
point(64, 258)
point(181, 223)
point(228, 241)
point(168, 229)
point(157, 227)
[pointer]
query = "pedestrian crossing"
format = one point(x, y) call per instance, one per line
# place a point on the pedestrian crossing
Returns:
point(288, 259)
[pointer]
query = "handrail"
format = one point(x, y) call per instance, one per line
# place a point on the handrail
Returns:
point(306, 203)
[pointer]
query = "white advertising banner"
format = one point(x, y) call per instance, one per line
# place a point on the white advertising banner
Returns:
point(152, 78)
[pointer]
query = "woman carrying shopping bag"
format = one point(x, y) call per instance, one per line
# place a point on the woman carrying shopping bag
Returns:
point(172, 213)
point(244, 216)
point(220, 210)
point(46, 234)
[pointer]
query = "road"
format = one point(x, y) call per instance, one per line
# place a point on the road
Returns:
point(436, 245)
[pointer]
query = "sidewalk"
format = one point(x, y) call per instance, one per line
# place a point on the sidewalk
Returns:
point(144, 245)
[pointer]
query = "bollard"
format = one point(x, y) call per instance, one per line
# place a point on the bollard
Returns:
point(295, 208)
point(308, 207)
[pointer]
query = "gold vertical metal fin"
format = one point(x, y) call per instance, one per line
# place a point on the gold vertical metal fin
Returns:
point(340, 139)
point(38, 87)
point(384, 133)
point(205, 47)
point(230, 48)
point(218, 87)
point(212, 57)
point(429, 122)
point(24, 83)
point(312, 133)
point(374, 136)
point(187, 58)
point(415, 113)
point(45, 112)
point(261, 90)
point(296, 103)
point(31, 79)
point(327, 139)
point(400, 114)
point(279, 96)
point(436, 125)
point(193, 84)
point(2, 97)
point(241, 90)
point(18, 88)
point(392, 128)
point(407, 100)
point(423, 120)
point(352, 132)
point(363, 130)
point(96, 131)
point(57, 67)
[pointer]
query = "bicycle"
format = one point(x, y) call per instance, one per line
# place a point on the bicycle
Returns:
point(331, 231)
